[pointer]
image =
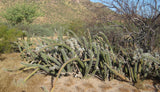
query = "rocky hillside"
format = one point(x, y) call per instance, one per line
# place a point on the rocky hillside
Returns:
point(63, 11)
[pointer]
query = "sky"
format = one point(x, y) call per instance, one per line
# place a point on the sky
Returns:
point(94, 0)
point(104, 0)
point(158, 3)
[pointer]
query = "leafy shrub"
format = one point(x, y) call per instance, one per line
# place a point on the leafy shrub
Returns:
point(21, 13)
point(7, 38)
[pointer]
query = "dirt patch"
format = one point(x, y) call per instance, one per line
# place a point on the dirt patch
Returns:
point(91, 85)
point(14, 81)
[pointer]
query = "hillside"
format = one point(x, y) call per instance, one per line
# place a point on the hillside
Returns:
point(64, 11)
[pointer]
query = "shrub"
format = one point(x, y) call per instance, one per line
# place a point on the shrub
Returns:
point(37, 29)
point(21, 13)
point(77, 26)
point(40, 30)
point(7, 38)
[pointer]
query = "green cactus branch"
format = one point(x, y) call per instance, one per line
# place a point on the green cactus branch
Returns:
point(73, 59)
point(85, 60)
point(37, 65)
point(13, 70)
point(31, 74)
point(116, 73)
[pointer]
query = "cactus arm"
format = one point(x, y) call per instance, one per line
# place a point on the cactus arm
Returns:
point(31, 74)
point(116, 73)
point(73, 59)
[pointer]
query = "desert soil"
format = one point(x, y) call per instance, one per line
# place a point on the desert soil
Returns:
point(13, 81)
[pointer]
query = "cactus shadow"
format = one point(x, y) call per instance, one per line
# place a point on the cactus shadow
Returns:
point(2, 59)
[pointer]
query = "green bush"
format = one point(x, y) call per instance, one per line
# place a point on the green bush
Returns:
point(40, 30)
point(77, 26)
point(21, 13)
point(7, 38)
point(37, 29)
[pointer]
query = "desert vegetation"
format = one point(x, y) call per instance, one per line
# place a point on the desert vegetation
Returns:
point(122, 44)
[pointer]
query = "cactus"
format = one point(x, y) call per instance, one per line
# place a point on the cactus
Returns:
point(92, 56)
point(88, 66)
point(73, 59)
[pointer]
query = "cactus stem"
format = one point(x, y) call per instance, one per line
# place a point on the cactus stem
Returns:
point(61, 70)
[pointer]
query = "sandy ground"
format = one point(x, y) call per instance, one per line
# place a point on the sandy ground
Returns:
point(13, 81)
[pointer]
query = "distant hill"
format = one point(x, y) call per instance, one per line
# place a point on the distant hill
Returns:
point(64, 11)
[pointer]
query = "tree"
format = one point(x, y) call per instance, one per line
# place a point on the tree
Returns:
point(21, 13)
point(8, 37)
point(144, 15)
